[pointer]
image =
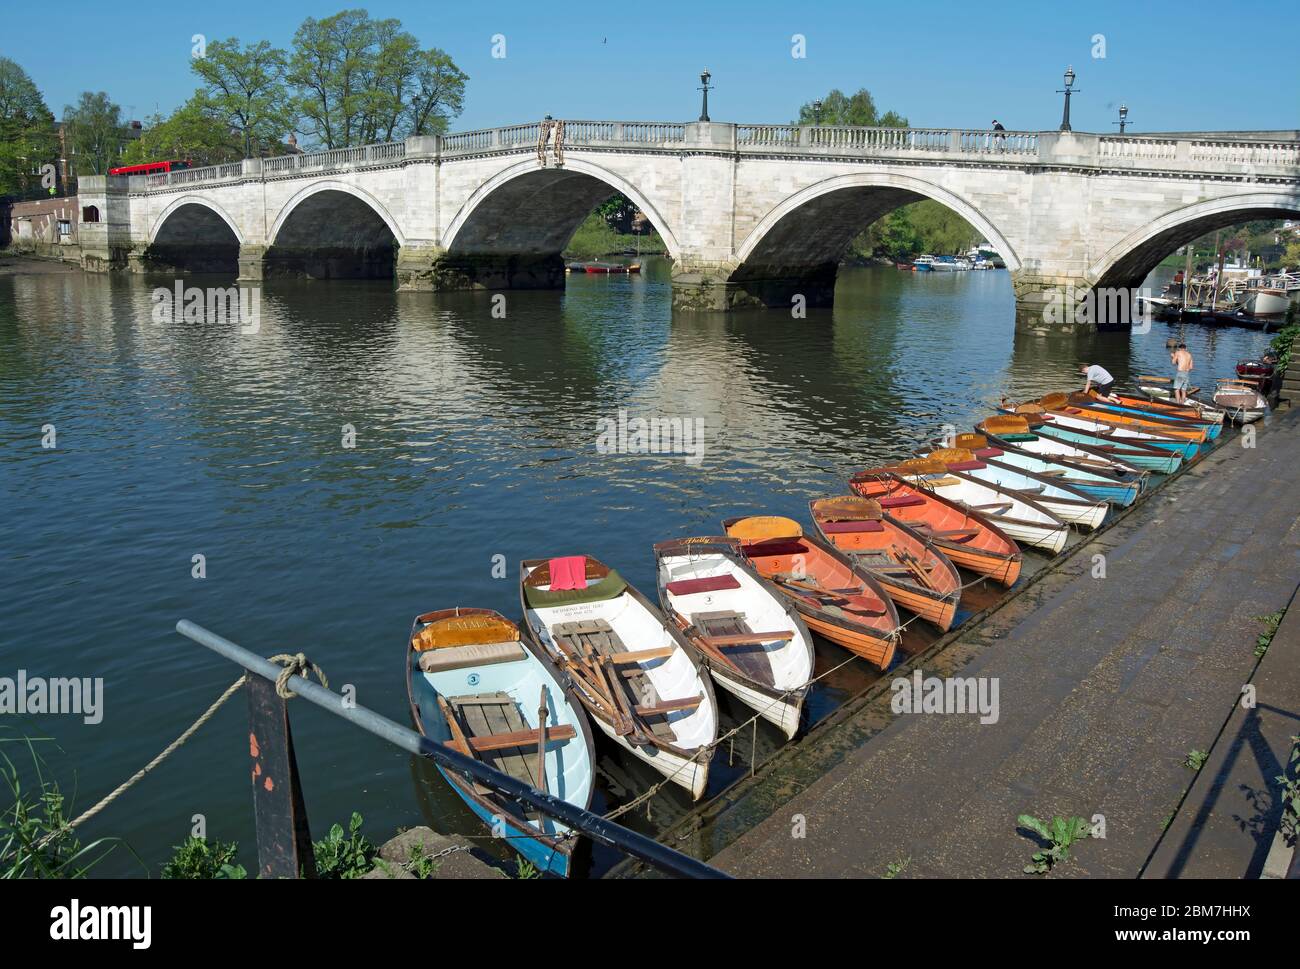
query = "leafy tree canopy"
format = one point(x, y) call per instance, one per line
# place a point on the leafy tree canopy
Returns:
point(27, 135)
point(95, 132)
point(358, 81)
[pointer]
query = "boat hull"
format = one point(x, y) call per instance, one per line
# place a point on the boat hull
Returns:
point(1162, 460)
point(691, 772)
point(1212, 429)
point(1089, 483)
point(1000, 562)
point(553, 859)
point(782, 712)
point(874, 648)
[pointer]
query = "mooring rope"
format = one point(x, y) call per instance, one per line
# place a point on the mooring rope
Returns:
point(294, 664)
point(644, 797)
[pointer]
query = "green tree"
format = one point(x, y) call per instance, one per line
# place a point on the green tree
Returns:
point(95, 132)
point(358, 81)
point(244, 89)
point(859, 109)
point(27, 135)
point(192, 132)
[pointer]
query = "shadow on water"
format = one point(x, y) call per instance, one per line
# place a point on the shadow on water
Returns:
point(475, 447)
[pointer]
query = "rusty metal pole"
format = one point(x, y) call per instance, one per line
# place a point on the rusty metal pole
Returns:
point(283, 837)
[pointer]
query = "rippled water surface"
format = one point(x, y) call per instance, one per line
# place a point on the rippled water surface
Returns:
point(475, 438)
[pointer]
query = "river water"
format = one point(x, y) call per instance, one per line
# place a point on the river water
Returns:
point(476, 444)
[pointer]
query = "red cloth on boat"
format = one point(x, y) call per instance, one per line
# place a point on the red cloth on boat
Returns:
point(569, 572)
point(988, 452)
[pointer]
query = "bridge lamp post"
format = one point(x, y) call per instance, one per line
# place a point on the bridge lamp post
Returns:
point(1069, 83)
point(1123, 118)
point(817, 111)
point(704, 82)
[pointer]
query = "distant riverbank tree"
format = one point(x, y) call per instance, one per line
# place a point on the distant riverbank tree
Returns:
point(925, 226)
point(193, 132)
point(95, 132)
point(27, 136)
point(346, 80)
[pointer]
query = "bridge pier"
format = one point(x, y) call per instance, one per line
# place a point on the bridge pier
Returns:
point(434, 269)
point(252, 263)
point(721, 287)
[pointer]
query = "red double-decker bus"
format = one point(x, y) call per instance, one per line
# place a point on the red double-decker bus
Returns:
point(150, 168)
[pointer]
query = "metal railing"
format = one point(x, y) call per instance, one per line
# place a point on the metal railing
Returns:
point(277, 844)
point(1183, 152)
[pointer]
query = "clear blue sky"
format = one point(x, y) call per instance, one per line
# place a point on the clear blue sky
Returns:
point(941, 64)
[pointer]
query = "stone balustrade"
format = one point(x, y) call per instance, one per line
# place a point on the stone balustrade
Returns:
point(1242, 156)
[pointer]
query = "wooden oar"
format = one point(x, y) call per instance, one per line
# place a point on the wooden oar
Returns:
point(597, 690)
point(915, 566)
point(542, 713)
point(457, 735)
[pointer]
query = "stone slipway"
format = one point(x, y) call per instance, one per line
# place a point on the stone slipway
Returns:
point(1105, 685)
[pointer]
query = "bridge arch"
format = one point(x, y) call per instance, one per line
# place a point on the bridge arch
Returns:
point(1128, 262)
point(202, 202)
point(877, 194)
point(334, 229)
point(527, 209)
point(796, 247)
point(196, 234)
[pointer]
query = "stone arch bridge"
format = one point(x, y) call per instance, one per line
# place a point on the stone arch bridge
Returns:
point(752, 215)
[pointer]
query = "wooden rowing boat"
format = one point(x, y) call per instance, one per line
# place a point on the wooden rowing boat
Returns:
point(751, 640)
point(967, 538)
point(1078, 404)
point(915, 574)
point(1158, 394)
point(1193, 409)
point(1021, 517)
point(1095, 483)
point(1241, 401)
point(476, 686)
point(836, 599)
point(1145, 412)
point(1012, 430)
point(1058, 497)
point(633, 671)
point(1107, 431)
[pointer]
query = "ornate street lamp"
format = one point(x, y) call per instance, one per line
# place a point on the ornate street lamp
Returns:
point(704, 82)
point(1123, 118)
point(817, 111)
point(1069, 83)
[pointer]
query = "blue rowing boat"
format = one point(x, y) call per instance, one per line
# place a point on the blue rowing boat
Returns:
point(475, 686)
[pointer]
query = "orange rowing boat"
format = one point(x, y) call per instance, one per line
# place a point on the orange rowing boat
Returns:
point(968, 539)
point(915, 574)
point(836, 598)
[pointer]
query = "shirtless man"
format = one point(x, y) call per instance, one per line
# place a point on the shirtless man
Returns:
point(1183, 363)
point(1098, 378)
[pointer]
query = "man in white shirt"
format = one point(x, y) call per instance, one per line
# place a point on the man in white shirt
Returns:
point(1098, 378)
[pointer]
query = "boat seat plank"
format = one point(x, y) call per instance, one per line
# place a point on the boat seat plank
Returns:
point(520, 738)
point(751, 659)
point(485, 714)
point(597, 638)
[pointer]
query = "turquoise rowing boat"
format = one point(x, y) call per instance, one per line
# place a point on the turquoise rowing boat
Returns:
point(475, 686)
point(1161, 460)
